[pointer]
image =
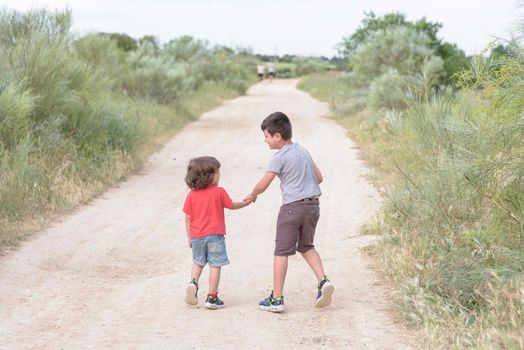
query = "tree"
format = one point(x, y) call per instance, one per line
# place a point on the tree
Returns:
point(454, 59)
point(370, 24)
point(123, 41)
point(500, 51)
point(186, 48)
point(149, 42)
point(399, 47)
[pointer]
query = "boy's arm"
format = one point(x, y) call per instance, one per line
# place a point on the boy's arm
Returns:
point(261, 186)
point(318, 174)
point(188, 230)
point(239, 205)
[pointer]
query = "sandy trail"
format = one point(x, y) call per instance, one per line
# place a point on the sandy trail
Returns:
point(112, 274)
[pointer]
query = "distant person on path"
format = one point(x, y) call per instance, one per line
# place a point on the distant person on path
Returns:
point(260, 71)
point(270, 71)
point(297, 220)
point(205, 226)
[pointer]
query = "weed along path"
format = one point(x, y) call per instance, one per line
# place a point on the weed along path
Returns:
point(113, 274)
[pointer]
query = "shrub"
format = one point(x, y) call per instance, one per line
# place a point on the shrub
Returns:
point(77, 115)
point(388, 91)
point(16, 106)
point(397, 47)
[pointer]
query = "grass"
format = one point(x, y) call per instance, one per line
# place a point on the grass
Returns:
point(453, 240)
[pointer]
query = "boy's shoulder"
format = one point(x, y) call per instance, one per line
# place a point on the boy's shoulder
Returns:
point(292, 148)
point(300, 147)
point(290, 154)
point(215, 189)
point(218, 189)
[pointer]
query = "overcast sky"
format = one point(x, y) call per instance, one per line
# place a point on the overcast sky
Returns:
point(303, 27)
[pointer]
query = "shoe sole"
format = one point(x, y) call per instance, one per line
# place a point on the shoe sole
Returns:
point(327, 292)
point(213, 306)
point(191, 291)
point(276, 309)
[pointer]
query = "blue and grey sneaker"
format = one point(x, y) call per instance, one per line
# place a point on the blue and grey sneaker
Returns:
point(325, 291)
point(213, 303)
point(191, 292)
point(272, 304)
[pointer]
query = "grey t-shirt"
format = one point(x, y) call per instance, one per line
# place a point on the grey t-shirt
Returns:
point(294, 167)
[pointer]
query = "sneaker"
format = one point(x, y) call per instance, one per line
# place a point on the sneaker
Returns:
point(325, 291)
point(213, 303)
point(272, 304)
point(191, 292)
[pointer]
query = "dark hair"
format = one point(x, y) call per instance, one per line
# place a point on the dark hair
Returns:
point(200, 172)
point(277, 122)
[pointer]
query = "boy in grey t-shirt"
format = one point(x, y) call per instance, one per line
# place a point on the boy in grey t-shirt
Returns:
point(299, 213)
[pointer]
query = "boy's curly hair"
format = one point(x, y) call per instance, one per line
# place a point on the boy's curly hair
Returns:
point(200, 172)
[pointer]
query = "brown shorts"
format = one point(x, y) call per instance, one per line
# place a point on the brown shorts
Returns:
point(296, 226)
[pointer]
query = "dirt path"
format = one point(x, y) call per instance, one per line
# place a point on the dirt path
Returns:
point(112, 275)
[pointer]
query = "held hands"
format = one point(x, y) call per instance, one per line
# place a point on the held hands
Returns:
point(245, 202)
point(239, 205)
point(250, 198)
point(189, 242)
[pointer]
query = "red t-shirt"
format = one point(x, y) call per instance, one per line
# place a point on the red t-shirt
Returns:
point(205, 208)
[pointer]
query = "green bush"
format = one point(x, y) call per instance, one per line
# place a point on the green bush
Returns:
point(77, 115)
point(453, 58)
point(152, 78)
point(306, 66)
point(453, 218)
point(16, 106)
point(453, 221)
point(388, 91)
point(106, 62)
point(398, 47)
point(285, 70)
point(461, 203)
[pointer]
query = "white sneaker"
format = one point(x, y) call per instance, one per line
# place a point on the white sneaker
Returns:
point(191, 293)
point(325, 291)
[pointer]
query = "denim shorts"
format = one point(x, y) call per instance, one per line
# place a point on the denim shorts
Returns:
point(210, 249)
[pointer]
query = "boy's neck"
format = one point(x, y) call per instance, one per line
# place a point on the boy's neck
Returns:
point(284, 143)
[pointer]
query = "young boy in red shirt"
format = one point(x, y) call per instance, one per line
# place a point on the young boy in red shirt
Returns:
point(205, 226)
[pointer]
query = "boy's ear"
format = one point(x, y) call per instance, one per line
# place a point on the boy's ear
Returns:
point(278, 136)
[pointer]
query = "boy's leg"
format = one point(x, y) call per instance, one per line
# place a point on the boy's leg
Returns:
point(279, 275)
point(315, 262)
point(214, 279)
point(217, 257)
point(199, 262)
point(192, 287)
point(275, 302)
point(196, 271)
point(213, 302)
point(325, 287)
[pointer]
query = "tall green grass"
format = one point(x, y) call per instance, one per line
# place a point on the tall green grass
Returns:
point(78, 114)
point(451, 167)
